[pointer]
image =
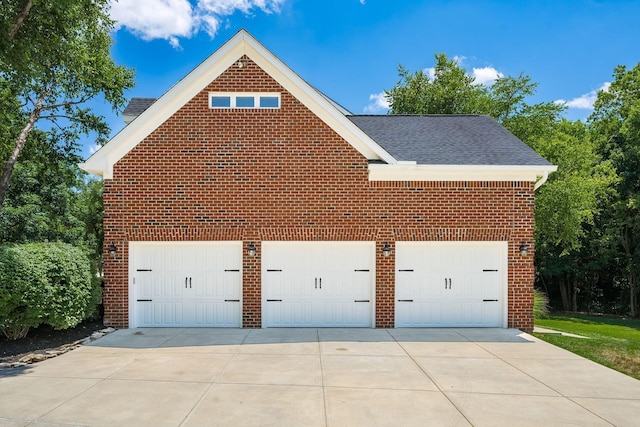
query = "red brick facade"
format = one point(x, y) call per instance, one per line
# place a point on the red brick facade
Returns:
point(283, 174)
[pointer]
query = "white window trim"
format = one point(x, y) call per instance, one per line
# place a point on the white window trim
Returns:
point(255, 95)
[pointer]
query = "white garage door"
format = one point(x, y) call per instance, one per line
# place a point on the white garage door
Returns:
point(318, 284)
point(451, 284)
point(186, 284)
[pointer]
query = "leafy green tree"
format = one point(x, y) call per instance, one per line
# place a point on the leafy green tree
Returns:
point(41, 204)
point(566, 207)
point(450, 91)
point(54, 58)
point(90, 212)
point(568, 203)
point(615, 126)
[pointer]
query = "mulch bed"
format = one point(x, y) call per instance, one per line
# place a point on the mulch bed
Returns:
point(45, 337)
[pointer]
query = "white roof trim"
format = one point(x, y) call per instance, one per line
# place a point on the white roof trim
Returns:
point(103, 160)
point(406, 172)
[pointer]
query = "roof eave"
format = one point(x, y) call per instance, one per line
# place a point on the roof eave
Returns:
point(414, 172)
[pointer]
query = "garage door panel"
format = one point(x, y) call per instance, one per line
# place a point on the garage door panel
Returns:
point(344, 314)
point(288, 314)
point(186, 283)
point(449, 283)
point(317, 283)
point(418, 313)
point(221, 313)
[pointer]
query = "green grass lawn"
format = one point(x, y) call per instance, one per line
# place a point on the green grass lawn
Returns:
point(613, 342)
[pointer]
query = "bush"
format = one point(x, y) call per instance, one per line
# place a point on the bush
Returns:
point(540, 304)
point(43, 283)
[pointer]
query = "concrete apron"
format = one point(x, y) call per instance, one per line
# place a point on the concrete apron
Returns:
point(323, 377)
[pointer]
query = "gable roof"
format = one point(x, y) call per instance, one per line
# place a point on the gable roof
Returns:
point(467, 139)
point(242, 43)
point(399, 147)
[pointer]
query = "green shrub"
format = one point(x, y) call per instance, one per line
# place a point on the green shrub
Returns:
point(93, 309)
point(43, 283)
point(540, 304)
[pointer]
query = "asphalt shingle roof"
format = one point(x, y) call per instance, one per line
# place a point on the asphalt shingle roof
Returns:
point(447, 140)
point(137, 106)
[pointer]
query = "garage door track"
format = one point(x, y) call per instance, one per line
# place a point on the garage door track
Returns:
point(318, 377)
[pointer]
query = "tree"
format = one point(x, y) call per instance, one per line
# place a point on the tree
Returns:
point(615, 126)
point(41, 204)
point(55, 58)
point(50, 199)
point(567, 205)
point(566, 208)
point(451, 91)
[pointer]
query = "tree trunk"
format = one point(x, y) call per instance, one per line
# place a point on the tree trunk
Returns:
point(20, 19)
point(574, 295)
point(565, 293)
point(633, 299)
point(7, 170)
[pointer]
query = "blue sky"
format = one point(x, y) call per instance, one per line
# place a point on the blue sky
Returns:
point(350, 49)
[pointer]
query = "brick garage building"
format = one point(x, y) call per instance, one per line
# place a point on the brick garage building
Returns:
point(244, 197)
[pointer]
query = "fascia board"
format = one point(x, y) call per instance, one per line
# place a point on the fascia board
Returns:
point(181, 93)
point(102, 161)
point(378, 172)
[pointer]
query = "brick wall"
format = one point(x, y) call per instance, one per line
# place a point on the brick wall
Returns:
point(255, 175)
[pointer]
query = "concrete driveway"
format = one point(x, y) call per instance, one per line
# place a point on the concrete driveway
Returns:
point(318, 377)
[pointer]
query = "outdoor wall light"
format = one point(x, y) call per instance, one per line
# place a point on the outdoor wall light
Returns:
point(113, 250)
point(524, 249)
point(251, 250)
point(386, 251)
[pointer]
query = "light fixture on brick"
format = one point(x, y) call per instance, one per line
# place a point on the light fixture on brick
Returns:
point(386, 250)
point(524, 249)
point(251, 250)
point(113, 250)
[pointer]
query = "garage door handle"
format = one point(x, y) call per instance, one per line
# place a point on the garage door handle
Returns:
point(274, 300)
point(361, 271)
point(361, 300)
point(316, 279)
point(487, 271)
point(489, 300)
point(405, 300)
point(406, 270)
point(232, 271)
point(143, 269)
point(144, 300)
point(189, 282)
point(232, 300)
point(321, 283)
point(447, 286)
point(185, 282)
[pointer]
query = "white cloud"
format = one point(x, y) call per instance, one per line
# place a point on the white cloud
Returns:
point(585, 101)
point(486, 76)
point(174, 19)
point(459, 59)
point(378, 103)
point(363, 2)
point(93, 148)
point(431, 72)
